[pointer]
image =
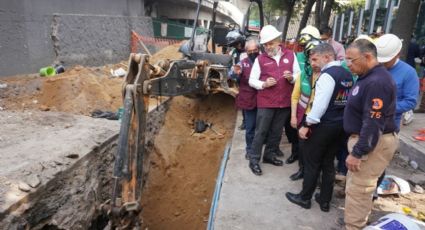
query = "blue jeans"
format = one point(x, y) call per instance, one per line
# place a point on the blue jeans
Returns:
point(250, 120)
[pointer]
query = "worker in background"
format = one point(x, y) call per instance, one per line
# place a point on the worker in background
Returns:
point(309, 38)
point(369, 120)
point(405, 77)
point(246, 100)
point(273, 76)
point(236, 41)
point(413, 51)
point(326, 36)
point(322, 130)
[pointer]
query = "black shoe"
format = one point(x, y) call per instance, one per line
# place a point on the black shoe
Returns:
point(255, 168)
point(296, 199)
point(279, 153)
point(291, 159)
point(324, 206)
point(298, 175)
point(242, 126)
point(246, 156)
point(274, 161)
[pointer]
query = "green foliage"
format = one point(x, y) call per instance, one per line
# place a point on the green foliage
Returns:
point(354, 4)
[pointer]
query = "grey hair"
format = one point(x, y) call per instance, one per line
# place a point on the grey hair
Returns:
point(252, 40)
point(364, 46)
point(324, 48)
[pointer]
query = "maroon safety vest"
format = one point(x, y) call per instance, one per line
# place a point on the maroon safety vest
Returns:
point(247, 97)
point(279, 95)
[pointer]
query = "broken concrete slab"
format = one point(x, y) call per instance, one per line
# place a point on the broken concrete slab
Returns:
point(70, 190)
point(38, 138)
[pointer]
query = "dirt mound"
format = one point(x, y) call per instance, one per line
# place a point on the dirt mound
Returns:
point(79, 90)
point(170, 52)
point(184, 167)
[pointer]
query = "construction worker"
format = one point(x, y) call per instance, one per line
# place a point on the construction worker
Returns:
point(322, 129)
point(326, 36)
point(246, 100)
point(309, 35)
point(369, 120)
point(273, 76)
point(236, 41)
point(405, 77)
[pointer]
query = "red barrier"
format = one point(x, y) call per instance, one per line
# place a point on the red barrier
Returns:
point(157, 43)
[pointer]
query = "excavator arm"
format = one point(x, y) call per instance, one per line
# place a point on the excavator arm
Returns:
point(168, 78)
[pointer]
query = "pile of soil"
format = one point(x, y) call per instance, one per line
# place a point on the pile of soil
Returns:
point(170, 52)
point(79, 90)
point(184, 166)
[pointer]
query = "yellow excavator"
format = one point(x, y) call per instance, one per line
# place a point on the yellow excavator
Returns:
point(199, 73)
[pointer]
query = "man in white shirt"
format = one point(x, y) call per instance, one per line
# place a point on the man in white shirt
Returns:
point(322, 130)
point(272, 75)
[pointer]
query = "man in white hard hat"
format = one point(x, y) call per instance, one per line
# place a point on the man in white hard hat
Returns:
point(273, 76)
point(405, 77)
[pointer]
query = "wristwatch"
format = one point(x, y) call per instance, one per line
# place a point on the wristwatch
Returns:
point(306, 124)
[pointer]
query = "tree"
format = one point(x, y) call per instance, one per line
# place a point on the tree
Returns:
point(405, 22)
point(318, 14)
point(291, 5)
point(326, 14)
point(280, 7)
point(306, 14)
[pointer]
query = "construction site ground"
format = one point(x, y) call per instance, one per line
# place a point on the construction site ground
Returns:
point(56, 161)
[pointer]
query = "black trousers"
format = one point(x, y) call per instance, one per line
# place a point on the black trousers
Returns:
point(270, 123)
point(319, 152)
point(292, 135)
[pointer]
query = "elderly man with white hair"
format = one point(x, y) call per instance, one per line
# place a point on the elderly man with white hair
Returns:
point(273, 76)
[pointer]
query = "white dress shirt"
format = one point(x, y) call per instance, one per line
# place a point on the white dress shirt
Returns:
point(254, 77)
point(325, 85)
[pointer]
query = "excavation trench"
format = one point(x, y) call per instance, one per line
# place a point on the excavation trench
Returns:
point(49, 142)
point(181, 169)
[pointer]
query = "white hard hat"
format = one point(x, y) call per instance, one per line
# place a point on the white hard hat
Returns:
point(313, 31)
point(388, 46)
point(364, 36)
point(269, 33)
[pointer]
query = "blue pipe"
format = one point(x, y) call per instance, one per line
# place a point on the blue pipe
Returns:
point(217, 190)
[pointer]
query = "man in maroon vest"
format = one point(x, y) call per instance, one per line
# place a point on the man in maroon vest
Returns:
point(246, 100)
point(273, 76)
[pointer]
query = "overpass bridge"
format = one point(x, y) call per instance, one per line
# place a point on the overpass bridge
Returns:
point(184, 11)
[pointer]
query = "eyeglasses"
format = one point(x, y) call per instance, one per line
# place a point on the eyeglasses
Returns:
point(350, 61)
